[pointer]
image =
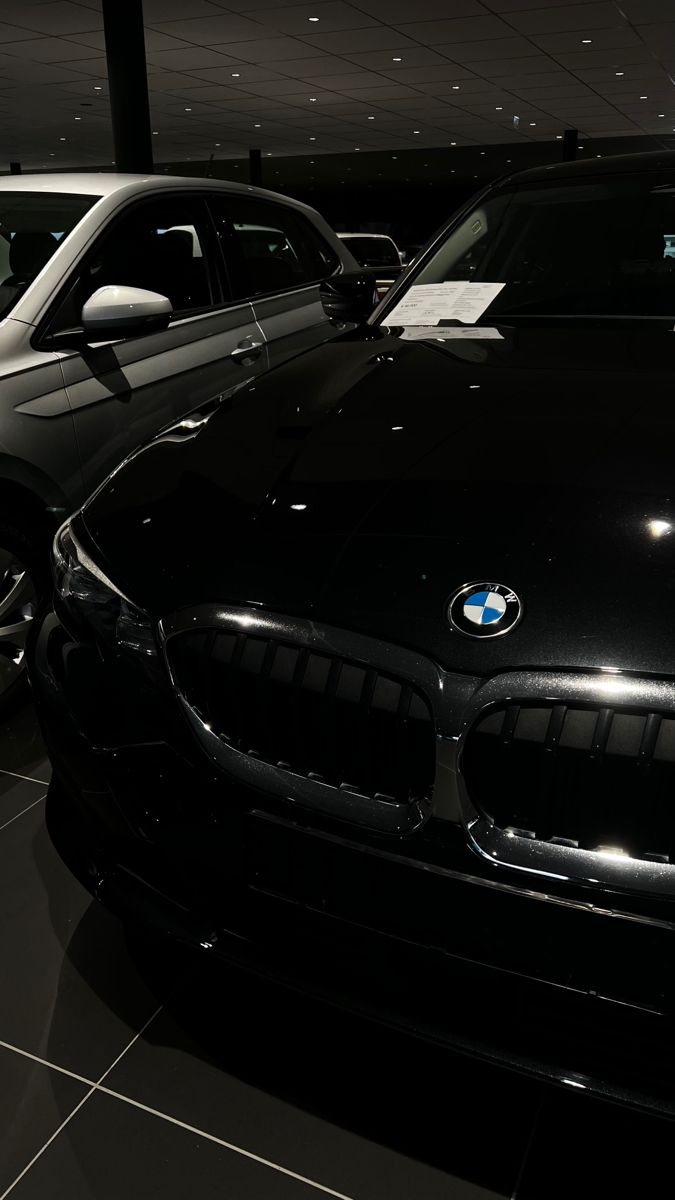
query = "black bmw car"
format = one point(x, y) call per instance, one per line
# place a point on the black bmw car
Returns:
point(363, 676)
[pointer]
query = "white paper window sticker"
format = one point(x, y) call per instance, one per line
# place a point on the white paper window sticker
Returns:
point(429, 303)
point(442, 333)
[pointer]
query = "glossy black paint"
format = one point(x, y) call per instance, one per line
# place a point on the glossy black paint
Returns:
point(352, 492)
point(538, 459)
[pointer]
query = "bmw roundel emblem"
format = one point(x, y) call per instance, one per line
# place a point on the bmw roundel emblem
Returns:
point(484, 610)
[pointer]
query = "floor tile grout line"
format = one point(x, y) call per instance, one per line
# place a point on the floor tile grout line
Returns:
point(21, 814)
point(134, 1039)
point(44, 1062)
point(28, 778)
point(211, 1137)
point(99, 1087)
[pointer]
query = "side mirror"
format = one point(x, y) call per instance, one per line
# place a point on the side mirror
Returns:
point(350, 297)
point(119, 312)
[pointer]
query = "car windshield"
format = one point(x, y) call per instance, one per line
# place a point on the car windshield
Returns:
point(373, 251)
point(31, 226)
point(578, 249)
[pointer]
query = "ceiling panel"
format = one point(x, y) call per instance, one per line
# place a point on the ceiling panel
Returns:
point(381, 60)
point(395, 11)
point(211, 31)
point(466, 29)
point(267, 49)
point(295, 20)
point(379, 38)
point(488, 51)
point(565, 18)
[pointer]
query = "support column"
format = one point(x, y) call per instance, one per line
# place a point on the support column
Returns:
point(128, 84)
point(255, 168)
point(570, 140)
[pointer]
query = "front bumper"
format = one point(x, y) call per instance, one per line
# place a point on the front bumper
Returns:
point(417, 931)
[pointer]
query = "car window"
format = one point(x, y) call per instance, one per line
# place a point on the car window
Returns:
point(31, 226)
point(373, 251)
point(582, 247)
point(161, 245)
point(269, 247)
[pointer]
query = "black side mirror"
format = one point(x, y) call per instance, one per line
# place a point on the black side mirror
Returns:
point(351, 296)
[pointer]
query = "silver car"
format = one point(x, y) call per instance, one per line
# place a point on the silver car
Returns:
point(126, 301)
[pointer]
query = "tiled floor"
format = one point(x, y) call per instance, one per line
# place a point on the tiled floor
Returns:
point(129, 1073)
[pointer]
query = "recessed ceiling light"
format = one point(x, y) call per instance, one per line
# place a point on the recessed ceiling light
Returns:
point(394, 156)
point(415, 130)
point(397, 60)
point(558, 137)
point(579, 147)
point(313, 19)
point(155, 132)
point(188, 110)
point(619, 73)
point(532, 124)
point(661, 114)
point(455, 87)
point(269, 153)
point(312, 139)
point(371, 118)
point(312, 99)
point(217, 143)
point(236, 75)
point(499, 108)
point(598, 156)
point(356, 148)
point(52, 154)
point(453, 143)
point(508, 160)
point(97, 87)
point(77, 118)
point(257, 127)
point(482, 154)
point(644, 97)
point(586, 41)
point(62, 139)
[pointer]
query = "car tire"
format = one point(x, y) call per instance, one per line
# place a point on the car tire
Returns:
point(24, 578)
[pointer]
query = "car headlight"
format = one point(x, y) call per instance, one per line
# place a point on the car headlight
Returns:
point(95, 600)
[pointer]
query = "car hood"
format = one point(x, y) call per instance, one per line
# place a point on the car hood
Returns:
point(364, 482)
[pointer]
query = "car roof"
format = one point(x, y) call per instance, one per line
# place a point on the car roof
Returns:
point(110, 183)
point(614, 164)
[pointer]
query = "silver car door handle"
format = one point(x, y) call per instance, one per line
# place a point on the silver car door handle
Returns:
point(247, 350)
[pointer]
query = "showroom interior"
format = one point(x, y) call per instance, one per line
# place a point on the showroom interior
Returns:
point(337, 719)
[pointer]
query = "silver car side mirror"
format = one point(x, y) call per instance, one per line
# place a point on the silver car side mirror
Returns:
point(117, 312)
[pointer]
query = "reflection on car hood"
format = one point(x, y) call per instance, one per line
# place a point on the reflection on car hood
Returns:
point(365, 481)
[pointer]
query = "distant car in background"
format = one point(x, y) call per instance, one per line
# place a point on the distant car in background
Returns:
point(123, 301)
point(377, 252)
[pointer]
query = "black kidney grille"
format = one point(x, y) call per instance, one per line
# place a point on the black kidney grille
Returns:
point(593, 778)
point(321, 717)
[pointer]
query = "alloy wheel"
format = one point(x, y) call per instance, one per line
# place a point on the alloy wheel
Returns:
point(18, 599)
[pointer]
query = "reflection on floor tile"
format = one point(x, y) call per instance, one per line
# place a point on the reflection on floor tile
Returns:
point(328, 1095)
point(21, 747)
point(34, 1101)
point(583, 1147)
point(75, 997)
point(112, 1151)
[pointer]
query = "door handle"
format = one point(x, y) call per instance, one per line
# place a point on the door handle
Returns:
point(247, 351)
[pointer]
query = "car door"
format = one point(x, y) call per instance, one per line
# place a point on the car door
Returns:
point(122, 392)
point(276, 259)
